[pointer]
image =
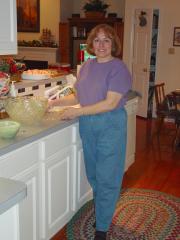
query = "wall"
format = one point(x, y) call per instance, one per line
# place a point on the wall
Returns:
point(168, 66)
point(49, 18)
point(116, 6)
point(66, 9)
point(54, 11)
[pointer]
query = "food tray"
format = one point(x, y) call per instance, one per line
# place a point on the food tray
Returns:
point(25, 76)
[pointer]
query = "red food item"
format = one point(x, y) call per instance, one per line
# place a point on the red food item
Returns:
point(3, 75)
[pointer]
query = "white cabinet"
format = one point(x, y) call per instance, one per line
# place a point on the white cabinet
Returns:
point(29, 208)
point(22, 164)
point(83, 189)
point(9, 224)
point(65, 187)
point(8, 26)
point(131, 108)
point(57, 191)
point(57, 156)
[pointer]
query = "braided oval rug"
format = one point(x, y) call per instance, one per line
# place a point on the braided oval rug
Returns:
point(140, 215)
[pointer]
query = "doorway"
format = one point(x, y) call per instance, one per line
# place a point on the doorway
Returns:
point(144, 57)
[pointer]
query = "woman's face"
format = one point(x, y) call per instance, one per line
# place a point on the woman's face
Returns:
point(102, 46)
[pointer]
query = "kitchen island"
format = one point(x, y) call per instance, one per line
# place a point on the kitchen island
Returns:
point(49, 159)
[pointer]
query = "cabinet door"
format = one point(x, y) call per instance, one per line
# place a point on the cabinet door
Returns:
point(83, 189)
point(29, 207)
point(8, 26)
point(9, 227)
point(57, 191)
point(131, 109)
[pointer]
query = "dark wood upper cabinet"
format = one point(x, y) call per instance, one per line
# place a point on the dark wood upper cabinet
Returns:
point(76, 30)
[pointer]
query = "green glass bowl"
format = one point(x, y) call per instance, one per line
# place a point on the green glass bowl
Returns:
point(9, 129)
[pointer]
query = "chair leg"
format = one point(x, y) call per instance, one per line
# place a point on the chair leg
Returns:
point(176, 141)
point(160, 121)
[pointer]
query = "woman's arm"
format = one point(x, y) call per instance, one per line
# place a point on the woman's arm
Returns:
point(110, 103)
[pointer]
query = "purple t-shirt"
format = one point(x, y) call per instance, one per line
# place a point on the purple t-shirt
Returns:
point(96, 79)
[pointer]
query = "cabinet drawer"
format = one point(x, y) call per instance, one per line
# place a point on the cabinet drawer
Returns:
point(57, 141)
point(19, 160)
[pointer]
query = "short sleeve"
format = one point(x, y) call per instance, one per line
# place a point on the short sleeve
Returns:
point(119, 79)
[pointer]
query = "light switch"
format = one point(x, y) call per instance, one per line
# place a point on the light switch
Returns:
point(171, 50)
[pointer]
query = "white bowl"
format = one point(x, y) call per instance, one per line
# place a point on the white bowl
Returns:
point(9, 129)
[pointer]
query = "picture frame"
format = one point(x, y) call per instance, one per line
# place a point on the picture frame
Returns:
point(176, 37)
point(28, 16)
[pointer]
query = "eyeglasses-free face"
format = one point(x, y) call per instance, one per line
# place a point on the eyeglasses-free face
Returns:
point(102, 46)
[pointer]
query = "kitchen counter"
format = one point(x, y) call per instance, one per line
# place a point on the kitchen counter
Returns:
point(12, 192)
point(49, 124)
point(28, 134)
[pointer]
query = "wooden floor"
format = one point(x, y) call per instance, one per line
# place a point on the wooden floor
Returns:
point(156, 165)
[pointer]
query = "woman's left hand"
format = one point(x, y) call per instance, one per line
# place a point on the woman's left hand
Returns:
point(70, 113)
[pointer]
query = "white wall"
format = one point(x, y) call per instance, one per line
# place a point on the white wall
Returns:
point(168, 66)
point(49, 18)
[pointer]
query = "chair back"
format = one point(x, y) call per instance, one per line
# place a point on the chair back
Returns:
point(159, 95)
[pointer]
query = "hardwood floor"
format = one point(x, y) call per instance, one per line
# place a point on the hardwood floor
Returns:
point(156, 165)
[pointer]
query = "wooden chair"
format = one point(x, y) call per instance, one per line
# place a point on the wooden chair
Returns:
point(160, 111)
point(176, 101)
point(163, 109)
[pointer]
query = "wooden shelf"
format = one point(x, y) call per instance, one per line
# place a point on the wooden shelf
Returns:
point(70, 40)
point(76, 21)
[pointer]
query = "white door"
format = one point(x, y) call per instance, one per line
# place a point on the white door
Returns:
point(141, 56)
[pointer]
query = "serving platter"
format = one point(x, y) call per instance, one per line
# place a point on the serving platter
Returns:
point(25, 76)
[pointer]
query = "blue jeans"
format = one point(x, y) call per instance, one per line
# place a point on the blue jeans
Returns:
point(104, 145)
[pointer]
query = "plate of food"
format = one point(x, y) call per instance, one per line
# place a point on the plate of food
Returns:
point(35, 74)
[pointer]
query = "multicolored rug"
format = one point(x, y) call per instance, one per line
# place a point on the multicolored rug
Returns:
point(140, 215)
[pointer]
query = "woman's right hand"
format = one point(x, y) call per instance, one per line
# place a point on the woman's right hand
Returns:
point(51, 103)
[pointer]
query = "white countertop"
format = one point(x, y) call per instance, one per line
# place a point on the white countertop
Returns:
point(28, 134)
point(11, 193)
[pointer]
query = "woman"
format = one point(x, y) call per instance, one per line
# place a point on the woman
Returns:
point(101, 88)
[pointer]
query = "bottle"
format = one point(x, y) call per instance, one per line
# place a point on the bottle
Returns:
point(81, 54)
point(13, 92)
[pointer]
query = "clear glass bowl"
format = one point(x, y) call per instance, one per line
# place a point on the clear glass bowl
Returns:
point(28, 110)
